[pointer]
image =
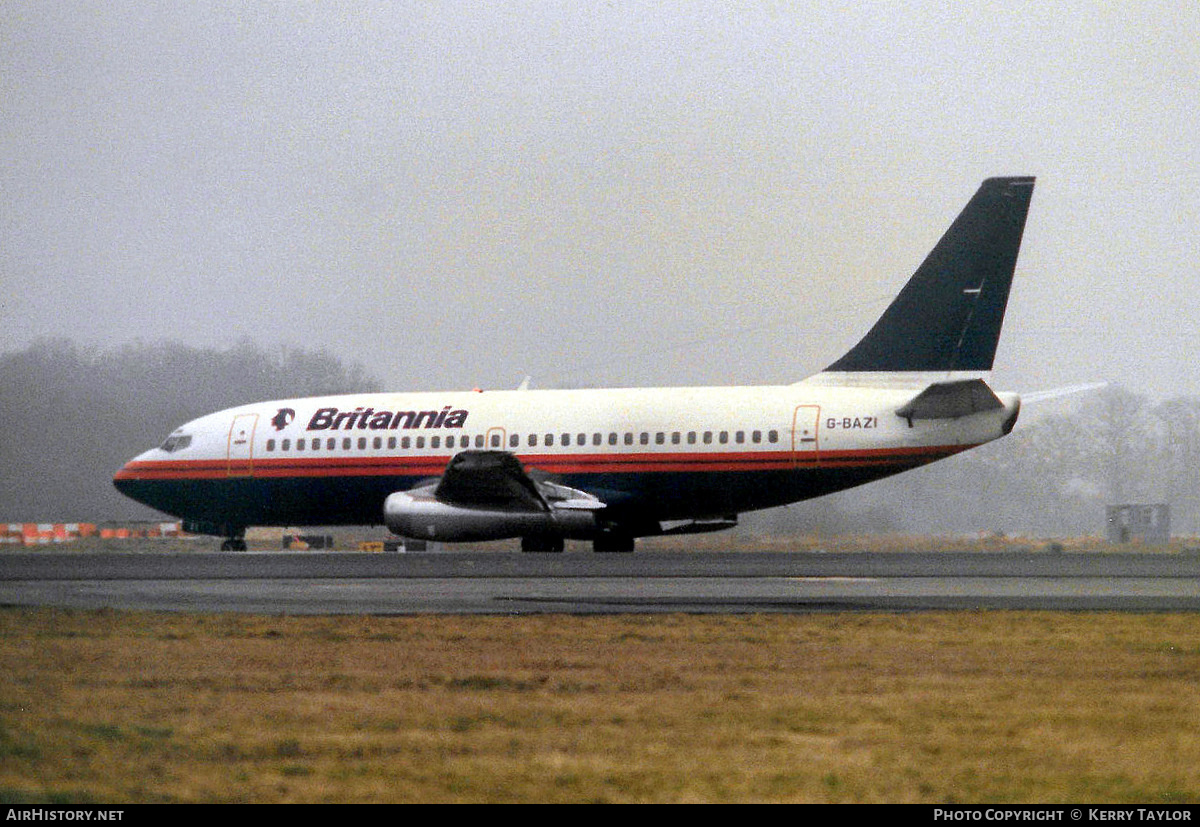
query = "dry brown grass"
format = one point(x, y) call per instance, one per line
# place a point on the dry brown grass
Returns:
point(948, 707)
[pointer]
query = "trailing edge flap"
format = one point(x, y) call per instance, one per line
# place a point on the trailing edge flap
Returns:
point(950, 400)
point(495, 480)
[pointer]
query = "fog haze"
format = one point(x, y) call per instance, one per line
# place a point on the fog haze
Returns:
point(455, 195)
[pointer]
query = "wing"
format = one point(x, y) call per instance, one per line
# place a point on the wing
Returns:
point(489, 479)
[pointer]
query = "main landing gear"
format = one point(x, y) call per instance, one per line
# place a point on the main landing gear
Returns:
point(603, 543)
point(542, 544)
point(237, 542)
point(613, 543)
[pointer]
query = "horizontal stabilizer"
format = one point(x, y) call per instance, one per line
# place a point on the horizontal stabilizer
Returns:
point(950, 400)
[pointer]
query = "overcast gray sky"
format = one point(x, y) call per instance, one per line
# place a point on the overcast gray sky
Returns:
point(459, 194)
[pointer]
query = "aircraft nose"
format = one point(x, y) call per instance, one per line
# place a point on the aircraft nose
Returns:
point(127, 479)
point(124, 478)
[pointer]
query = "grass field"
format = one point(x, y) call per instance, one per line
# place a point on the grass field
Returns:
point(114, 707)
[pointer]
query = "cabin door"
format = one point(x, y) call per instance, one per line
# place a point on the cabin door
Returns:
point(241, 445)
point(805, 436)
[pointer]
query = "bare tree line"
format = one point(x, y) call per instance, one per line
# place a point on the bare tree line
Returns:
point(72, 415)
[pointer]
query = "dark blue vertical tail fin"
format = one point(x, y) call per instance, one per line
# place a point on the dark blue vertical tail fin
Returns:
point(948, 316)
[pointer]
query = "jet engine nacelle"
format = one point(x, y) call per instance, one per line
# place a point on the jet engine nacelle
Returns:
point(425, 517)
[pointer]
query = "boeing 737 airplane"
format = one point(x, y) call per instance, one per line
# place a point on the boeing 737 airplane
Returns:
point(613, 465)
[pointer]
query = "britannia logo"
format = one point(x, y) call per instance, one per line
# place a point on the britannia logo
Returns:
point(281, 419)
point(331, 419)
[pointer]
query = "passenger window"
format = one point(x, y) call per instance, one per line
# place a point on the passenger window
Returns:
point(708, 437)
point(330, 444)
point(581, 439)
point(549, 439)
point(756, 437)
point(286, 444)
point(674, 437)
point(612, 439)
point(513, 441)
point(420, 442)
point(377, 443)
point(723, 438)
point(479, 440)
point(346, 444)
point(533, 440)
point(405, 443)
point(628, 438)
point(299, 445)
point(270, 445)
point(691, 437)
point(644, 438)
point(739, 437)
point(596, 439)
point(772, 436)
point(362, 443)
point(391, 443)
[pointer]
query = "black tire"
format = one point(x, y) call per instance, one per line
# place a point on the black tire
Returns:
point(551, 545)
point(613, 543)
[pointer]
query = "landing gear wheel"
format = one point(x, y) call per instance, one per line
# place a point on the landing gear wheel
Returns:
point(234, 544)
point(613, 543)
point(542, 544)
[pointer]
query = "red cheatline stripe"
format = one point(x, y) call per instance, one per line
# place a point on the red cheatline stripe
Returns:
point(341, 466)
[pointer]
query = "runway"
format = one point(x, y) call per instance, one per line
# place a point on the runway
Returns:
point(465, 582)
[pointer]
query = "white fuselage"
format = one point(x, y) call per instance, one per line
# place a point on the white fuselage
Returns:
point(651, 454)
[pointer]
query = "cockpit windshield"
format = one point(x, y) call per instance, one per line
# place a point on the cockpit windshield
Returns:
point(176, 442)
